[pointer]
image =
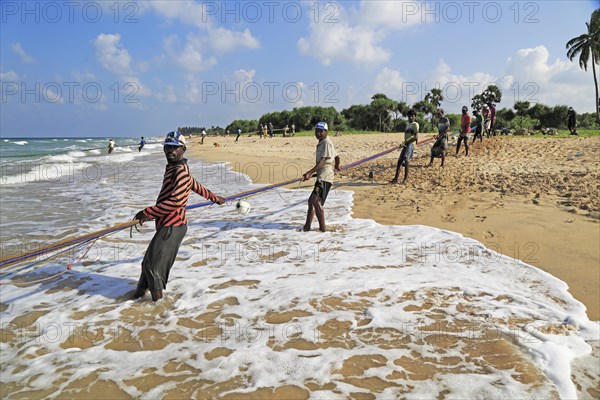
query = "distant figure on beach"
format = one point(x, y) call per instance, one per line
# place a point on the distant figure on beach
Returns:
point(441, 142)
point(338, 133)
point(285, 131)
point(264, 132)
point(270, 130)
point(239, 132)
point(203, 136)
point(492, 118)
point(478, 126)
point(572, 121)
point(293, 129)
point(408, 146)
point(486, 120)
point(142, 143)
point(465, 129)
point(326, 161)
point(227, 133)
point(111, 145)
point(171, 222)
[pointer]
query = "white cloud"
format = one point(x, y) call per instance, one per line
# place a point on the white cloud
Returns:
point(341, 42)
point(528, 76)
point(191, 13)
point(531, 77)
point(390, 83)
point(244, 76)
point(392, 14)
point(169, 96)
point(355, 35)
point(190, 58)
point(10, 76)
point(201, 16)
point(224, 40)
point(116, 59)
point(25, 58)
point(111, 54)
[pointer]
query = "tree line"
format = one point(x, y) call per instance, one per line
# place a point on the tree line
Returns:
point(384, 114)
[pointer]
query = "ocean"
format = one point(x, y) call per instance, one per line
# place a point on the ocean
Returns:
point(255, 307)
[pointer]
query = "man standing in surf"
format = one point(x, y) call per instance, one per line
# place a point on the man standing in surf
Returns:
point(324, 168)
point(411, 137)
point(171, 222)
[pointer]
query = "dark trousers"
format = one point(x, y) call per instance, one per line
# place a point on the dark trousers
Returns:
point(160, 256)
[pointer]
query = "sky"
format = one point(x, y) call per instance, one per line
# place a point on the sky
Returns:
point(143, 68)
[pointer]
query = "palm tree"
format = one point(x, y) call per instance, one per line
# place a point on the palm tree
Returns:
point(587, 46)
point(434, 98)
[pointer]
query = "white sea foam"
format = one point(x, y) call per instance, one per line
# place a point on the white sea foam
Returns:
point(416, 286)
point(20, 142)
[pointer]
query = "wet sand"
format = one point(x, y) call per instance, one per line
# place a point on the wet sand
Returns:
point(534, 199)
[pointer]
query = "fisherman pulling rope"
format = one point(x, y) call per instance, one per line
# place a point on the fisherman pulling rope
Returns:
point(51, 251)
point(169, 214)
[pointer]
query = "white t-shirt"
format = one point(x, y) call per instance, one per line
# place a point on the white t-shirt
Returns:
point(325, 148)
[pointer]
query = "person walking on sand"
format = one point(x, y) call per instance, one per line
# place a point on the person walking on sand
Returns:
point(440, 146)
point(492, 119)
point(465, 129)
point(572, 121)
point(408, 146)
point(142, 143)
point(203, 136)
point(171, 222)
point(326, 161)
point(478, 126)
point(239, 132)
point(270, 130)
point(487, 120)
point(111, 145)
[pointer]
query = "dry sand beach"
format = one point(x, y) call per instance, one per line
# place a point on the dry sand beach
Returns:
point(377, 323)
point(533, 199)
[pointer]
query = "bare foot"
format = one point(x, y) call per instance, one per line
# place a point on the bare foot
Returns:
point(157, 295)
point(139, 292)
point(323, 229)
point(394, 181)
point(306, 228)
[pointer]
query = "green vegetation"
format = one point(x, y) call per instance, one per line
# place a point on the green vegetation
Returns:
point(587, 47)
point(563, 133)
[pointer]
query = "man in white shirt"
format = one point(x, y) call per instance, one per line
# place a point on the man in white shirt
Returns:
point(326, 161)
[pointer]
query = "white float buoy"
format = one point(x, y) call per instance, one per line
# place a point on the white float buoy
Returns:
point(243, 207)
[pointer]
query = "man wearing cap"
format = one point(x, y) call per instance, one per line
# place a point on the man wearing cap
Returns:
point(169, 214)
point(411, 136)
point(326, 161)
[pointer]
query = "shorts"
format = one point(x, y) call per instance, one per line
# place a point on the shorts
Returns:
point(322, 189)
point(407, 152)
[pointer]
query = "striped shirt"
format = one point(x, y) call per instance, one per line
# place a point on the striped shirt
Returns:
point(172, 200)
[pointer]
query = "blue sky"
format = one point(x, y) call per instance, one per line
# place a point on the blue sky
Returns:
point(129, 68)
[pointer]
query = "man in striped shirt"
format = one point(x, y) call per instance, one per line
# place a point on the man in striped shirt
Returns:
point(169, 215)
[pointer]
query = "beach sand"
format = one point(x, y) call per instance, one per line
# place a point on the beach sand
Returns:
point(533, 199)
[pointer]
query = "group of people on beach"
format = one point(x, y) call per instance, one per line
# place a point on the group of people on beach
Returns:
point(484, 124)
point(169, 212)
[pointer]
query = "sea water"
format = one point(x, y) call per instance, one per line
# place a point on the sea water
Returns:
point(253, 302)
